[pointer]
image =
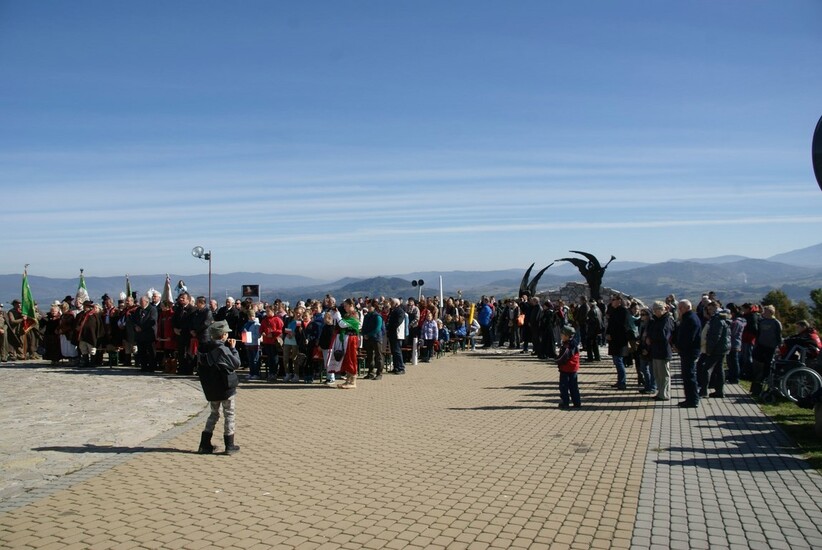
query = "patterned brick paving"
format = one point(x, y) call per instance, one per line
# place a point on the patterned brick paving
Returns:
point(466, 452)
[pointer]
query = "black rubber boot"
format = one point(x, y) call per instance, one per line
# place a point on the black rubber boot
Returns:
point(112, 359)
point(206, 448)
point(230, 447)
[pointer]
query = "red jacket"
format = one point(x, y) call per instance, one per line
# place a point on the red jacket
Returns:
point(270, 329)
point(568, 360)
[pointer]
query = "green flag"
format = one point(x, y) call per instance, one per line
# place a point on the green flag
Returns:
point(82, 291)
point(29, 317)
point(128, 286)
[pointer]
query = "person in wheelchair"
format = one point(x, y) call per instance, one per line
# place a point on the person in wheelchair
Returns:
point(806, 338)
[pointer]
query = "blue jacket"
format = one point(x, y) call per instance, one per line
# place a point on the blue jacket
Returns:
point(689, 334)
point(484, 315)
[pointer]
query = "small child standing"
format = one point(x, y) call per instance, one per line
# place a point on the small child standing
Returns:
point(429, 332)
point(568, 364)
point(251, 339)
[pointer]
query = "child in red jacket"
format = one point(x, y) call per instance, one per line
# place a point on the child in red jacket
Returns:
point(568, 364)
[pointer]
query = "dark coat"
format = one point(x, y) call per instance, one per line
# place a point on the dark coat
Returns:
point(718, 337)
point(660, 332)
point(89, 327)
point(689, 334)
point(216, 365)
point(146, 320)
point(617, 330)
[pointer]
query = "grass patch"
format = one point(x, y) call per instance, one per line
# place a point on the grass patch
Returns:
point(797, 423)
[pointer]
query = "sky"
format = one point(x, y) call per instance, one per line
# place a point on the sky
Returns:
point(365, 138)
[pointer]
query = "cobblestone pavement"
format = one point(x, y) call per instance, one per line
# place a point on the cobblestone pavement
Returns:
point(48, 412)
point(468, 451)
point(725, 476)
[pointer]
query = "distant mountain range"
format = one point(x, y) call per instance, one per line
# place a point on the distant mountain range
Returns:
point(734, 278)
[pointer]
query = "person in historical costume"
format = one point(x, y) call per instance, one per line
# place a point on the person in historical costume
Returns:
point(50, 325)
point(166, 343)
point(4, 350)
point(89, 327)
point(66, 330)
point(343, 357)
point(125, 324)
point(21, 341)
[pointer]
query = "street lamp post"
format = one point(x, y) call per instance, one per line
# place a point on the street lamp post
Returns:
point(199, 252)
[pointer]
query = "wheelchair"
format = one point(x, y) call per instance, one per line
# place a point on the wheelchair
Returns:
point(790, 378)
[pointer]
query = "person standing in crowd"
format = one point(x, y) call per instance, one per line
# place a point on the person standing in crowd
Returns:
point(51, 333)
point(643, 354)
point(545, 334)
point(429, 334)
point(68, 348)
point(372, 331)
point(533, 322)
point(568, 364)
point(524, 330)
point(349, 330)
point(617, 336)
point(166, 345)
point(290, 345)
point(396, 334)
point(4, 350)
point(715, 344)
point(251, 343)
point(751, 316)
point(593, 330)
point(180, 323)
point(126, 326)
point(688, 341)
point(659, 334)
point(768, 339)
point(145, 333)
point(89, 328)
point(484, 318)
point(217, 362)
point(271, 329)
point(737, 328)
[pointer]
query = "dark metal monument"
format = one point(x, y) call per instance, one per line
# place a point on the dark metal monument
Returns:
point(591, 269)
point(530, 288)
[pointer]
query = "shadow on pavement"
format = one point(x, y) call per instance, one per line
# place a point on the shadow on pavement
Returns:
point(110, 449)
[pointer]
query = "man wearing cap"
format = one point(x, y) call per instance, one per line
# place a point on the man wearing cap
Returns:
point(217, 361)
point(89, 329)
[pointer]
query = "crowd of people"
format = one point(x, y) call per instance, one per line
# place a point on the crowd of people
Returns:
point(278, 341)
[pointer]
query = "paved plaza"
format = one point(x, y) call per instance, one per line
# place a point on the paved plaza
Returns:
point(469, 451)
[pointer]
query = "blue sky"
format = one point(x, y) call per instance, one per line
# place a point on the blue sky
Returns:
point(372, 138)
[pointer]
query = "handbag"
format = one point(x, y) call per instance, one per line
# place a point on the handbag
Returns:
point(520, 319)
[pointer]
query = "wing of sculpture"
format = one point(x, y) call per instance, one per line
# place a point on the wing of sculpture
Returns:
point(593, 259)
point(523, 285)
point(581, 264)
point(532, 286)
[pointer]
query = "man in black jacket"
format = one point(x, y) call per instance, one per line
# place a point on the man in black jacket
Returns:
point(396, 322)
point(144, 320)
point(217, 361)
point(180, 323)
point(688, 338)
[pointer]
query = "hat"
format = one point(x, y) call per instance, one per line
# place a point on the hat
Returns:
point(218, 328)
point(88, 303)
point(56, 303)
point(15, 302)
point(568, 331)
